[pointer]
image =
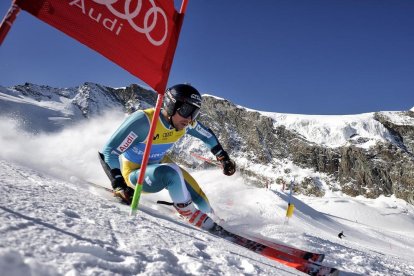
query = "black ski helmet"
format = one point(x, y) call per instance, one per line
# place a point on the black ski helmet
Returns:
point(182, 98)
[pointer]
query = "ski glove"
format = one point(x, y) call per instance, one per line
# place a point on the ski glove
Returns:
point(229, 166)
point(117, 180)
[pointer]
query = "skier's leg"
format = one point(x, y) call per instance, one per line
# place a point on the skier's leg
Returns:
point(197, 194)
point(130, 171)
point(169, 176)
point(158, 177)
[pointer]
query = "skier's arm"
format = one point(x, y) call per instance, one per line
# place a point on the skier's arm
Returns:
point(133, 130)
point(209, 138)
point(203, 133)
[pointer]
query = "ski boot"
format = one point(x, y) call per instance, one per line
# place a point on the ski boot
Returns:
point(194, 216)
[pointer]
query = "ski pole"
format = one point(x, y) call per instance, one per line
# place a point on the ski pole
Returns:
point(208, 160)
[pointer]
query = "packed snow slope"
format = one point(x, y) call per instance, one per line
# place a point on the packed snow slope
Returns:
point(55, 227)
point(53, 223)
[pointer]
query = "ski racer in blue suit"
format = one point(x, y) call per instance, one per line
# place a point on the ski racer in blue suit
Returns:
point(122, 155)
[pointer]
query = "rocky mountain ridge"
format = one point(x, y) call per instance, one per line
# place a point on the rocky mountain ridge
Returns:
point(265, 148)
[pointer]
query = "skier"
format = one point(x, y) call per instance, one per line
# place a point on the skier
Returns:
point(123, 153)
point(340, 235)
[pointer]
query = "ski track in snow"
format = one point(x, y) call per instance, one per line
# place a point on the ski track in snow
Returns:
point(56, 227)
point(53, 227)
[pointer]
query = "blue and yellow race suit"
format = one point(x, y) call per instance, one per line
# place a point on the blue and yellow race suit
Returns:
point(125, 150)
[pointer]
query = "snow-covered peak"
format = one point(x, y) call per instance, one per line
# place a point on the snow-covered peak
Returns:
point(334, 130)
point(212, 96)
point(398, 118)
point(43, 108)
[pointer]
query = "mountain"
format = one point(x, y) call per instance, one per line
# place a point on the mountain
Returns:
point(53, 223)
point(368, 154)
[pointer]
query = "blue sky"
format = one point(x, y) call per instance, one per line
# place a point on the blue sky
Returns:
point(305, 57)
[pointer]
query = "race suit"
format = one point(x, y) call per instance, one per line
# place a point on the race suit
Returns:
point(125, 150)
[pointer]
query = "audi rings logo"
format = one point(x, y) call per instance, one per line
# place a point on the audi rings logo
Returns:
point(153, 17)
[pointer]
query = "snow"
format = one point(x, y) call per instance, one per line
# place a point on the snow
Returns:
point(212, 96)
point(333, 130)
point(53, 223)
point(399, 118)
point(60, 227)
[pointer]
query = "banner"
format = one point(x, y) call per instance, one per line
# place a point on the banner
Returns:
point(138, 35)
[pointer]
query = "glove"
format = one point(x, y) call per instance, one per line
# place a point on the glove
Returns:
point(229, 166)
point(117, 180)
point(121, 189)
point(125, 195)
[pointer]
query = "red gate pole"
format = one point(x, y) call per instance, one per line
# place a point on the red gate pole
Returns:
point(140, 182)
point(8, 21)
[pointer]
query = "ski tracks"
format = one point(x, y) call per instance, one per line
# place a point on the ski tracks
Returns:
point(52, 227)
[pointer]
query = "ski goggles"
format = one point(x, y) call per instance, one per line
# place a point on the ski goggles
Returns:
point(186, 110)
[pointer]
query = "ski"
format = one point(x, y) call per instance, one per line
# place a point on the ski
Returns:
point(307, 255)
point(301, 260)
point(100, 187)
point(294, 261)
